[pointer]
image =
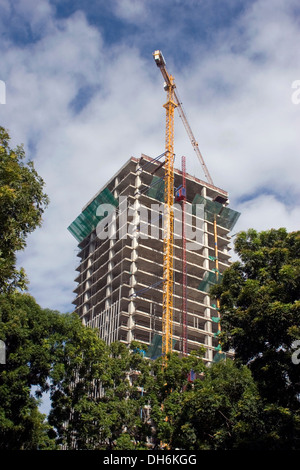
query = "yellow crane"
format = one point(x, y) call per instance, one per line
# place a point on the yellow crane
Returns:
point(173, 102)
point(170, 105)
point(161, 63)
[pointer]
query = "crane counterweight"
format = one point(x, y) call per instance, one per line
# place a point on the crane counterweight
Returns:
point(159, 58)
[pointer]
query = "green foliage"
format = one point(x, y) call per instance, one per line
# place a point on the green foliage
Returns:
point(92, 392)
point(260, 311)
point(221, 412)
point(23, 327)
point(164, 384)
point(22, 203)
point(113, 397)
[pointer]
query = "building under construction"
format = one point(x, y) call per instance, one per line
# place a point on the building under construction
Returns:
point(120, 277)
point(151, 243)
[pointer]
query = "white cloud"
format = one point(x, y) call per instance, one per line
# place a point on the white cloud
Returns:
point(73, 152)
point(131, 10)
point(242, 105)
point(265, 212)
point(36, 13)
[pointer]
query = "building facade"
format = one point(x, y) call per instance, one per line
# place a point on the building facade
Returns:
point(120, 272)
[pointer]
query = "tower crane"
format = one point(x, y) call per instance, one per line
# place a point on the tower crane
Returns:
point(173, 102)
point(170, 105)
point(161, 63)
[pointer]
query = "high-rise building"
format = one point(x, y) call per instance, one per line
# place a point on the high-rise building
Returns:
point(120, 274)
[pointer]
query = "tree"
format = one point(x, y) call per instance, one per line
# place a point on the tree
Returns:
point(79, 363)
point(53, 353)
point(22, 203)
point(222, 411)
point(260, 312)
point(113, 397)
point(96, 402)
point(24, 327)
point(165, 384)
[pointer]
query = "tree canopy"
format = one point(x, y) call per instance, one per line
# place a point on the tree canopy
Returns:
point(260, 310)
point(24, 327)
point(22, 203)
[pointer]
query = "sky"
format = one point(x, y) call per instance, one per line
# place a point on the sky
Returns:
point(83, 94)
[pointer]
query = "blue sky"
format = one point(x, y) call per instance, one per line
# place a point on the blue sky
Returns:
point(150, 24)
point(84, 95)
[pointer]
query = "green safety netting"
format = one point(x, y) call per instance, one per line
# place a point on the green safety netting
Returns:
point(215, 319)
point(157, 188)
point(209, 279)
point(87, 221)
point(225, 216)
point(219, 356)
point(155, 348)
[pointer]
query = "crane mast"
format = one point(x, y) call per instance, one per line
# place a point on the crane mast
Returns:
point(173, 102)
point(170, 105)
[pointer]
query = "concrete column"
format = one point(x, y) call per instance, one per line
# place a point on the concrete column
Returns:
point(208, 327)
point(207, 311)
point(134, 257)
point(109, 274)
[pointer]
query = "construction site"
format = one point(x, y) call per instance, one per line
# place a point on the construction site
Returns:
point(151, 243)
